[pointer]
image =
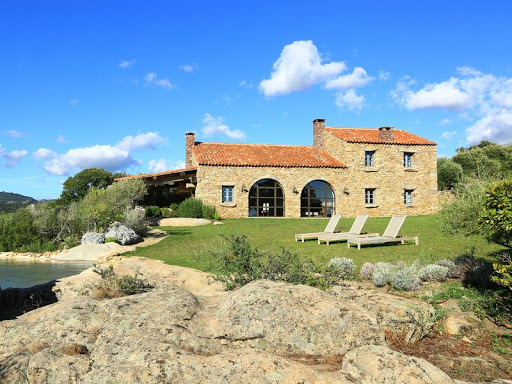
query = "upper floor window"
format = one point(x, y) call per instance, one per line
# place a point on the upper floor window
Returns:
point(369, 158)
point(408, 197)
point(369, 196)
point(408, 159)
point(227, 194)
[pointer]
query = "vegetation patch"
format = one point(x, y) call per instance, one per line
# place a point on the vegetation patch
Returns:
point(113, 285)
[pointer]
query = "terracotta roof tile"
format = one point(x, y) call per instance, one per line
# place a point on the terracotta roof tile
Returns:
point(157, 174)
point(262, 155)
point(371, 135)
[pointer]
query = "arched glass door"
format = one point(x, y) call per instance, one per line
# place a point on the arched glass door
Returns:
point(317, 200)
point(266, 199)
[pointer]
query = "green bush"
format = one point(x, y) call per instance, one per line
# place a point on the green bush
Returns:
point(496, 215)
point(239, 263)
point(503, 272)
point(19, 234)
point(153, 211)
point(166, 212)
point(191, 208)
point(113, 285)
point(209, 212)
point(134, 219)
point(110, 240)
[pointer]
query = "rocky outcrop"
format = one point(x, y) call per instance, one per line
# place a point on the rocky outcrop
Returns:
point(189, 330)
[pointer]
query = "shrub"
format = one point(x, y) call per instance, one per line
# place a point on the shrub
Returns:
point(166, 212)
point(19, 234)
point(123, 234)
point(474, 272)
point(367, 271)
point(191, 208)
point(404, 279)
point(153, 211)
point(504, 272)
point(341, 268)
point(433, 272)
point(496, 215)
point(134, 219)
point(113, 285)
point(110, 240)
point(209, 212)
point(93, 238)
point(452, 270)
point(382, 274)
point(239, 263)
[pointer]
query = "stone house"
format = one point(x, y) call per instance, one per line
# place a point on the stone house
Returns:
point(381, 171)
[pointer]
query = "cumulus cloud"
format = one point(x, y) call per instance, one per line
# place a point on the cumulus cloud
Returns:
point(356, 79)
point(13, 157)
point(384, 75)
point(126, 63)
point(448, 135)
point(61, 139)
point(98, 156)
point(148, 140)
point(485, 99)
point(152, 79)
point(214, 126)
point(14, 134)
point(299, 67)
point(349, 100)
point(162, 165)
point(44, 154)
point(189, 67)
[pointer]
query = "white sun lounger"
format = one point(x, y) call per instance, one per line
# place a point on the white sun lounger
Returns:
point(355, 231)
point(331, 226)
point(389, 235)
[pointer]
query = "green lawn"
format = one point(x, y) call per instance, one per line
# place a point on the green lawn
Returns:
point(185, 244)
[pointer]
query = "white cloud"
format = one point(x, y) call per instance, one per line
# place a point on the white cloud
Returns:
point(142, 141)
point(446, 121)
point(484, 99)
point(384, 75)
point(14, 134)
point(189, 67)
point(214, 126)
point(2, 149)
point(126, 63)
point(448, 135)
point(44, 154)
point(162, 165)
point(98, 156)
point(299, 67)
point(350, 100)
point(152, 79)
point(356, 79)
point(12, 158)
point(61, 139)
point(245, 84)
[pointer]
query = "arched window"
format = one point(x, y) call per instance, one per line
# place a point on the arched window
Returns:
point(317, 200)
point(266, 198)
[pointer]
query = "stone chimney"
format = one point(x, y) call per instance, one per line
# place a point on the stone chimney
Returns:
point(318, 133)
point(387, 134)
point(190, 140)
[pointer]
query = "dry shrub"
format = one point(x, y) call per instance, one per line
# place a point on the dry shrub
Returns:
point(73, 349)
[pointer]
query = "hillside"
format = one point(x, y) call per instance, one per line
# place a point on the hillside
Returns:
point(10, 202)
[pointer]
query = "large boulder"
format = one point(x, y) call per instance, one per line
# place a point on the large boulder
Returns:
point(189, 330)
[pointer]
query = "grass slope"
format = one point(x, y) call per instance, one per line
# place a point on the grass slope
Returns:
point(186, 245)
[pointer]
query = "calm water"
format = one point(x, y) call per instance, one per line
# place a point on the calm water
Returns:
point(21, 274)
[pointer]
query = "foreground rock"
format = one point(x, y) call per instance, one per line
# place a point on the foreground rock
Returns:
point(93, 252)
point(189, 330)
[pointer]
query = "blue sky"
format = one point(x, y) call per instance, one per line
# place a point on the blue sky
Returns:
point(116, 84)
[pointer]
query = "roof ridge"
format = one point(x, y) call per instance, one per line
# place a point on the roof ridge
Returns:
point(254, 144)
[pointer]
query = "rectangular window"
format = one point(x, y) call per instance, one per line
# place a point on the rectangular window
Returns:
point(369, 158)
point(227, 194)
point(408, 197)
point(369, 196)
point(408, 159)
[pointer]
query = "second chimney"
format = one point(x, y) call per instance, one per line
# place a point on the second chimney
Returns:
point(387, 134)
point(190, 141)
point(318, 133)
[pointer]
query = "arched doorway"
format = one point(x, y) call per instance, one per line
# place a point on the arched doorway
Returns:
point(266, 198)
point(317, 200)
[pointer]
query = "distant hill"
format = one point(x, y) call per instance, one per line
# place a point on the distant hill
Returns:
point(10, 202)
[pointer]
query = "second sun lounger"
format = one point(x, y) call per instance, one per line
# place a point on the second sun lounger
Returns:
point(355, 231)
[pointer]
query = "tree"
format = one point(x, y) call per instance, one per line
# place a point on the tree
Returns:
point(449, 174)
point(496, 215)
point(76, 187)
